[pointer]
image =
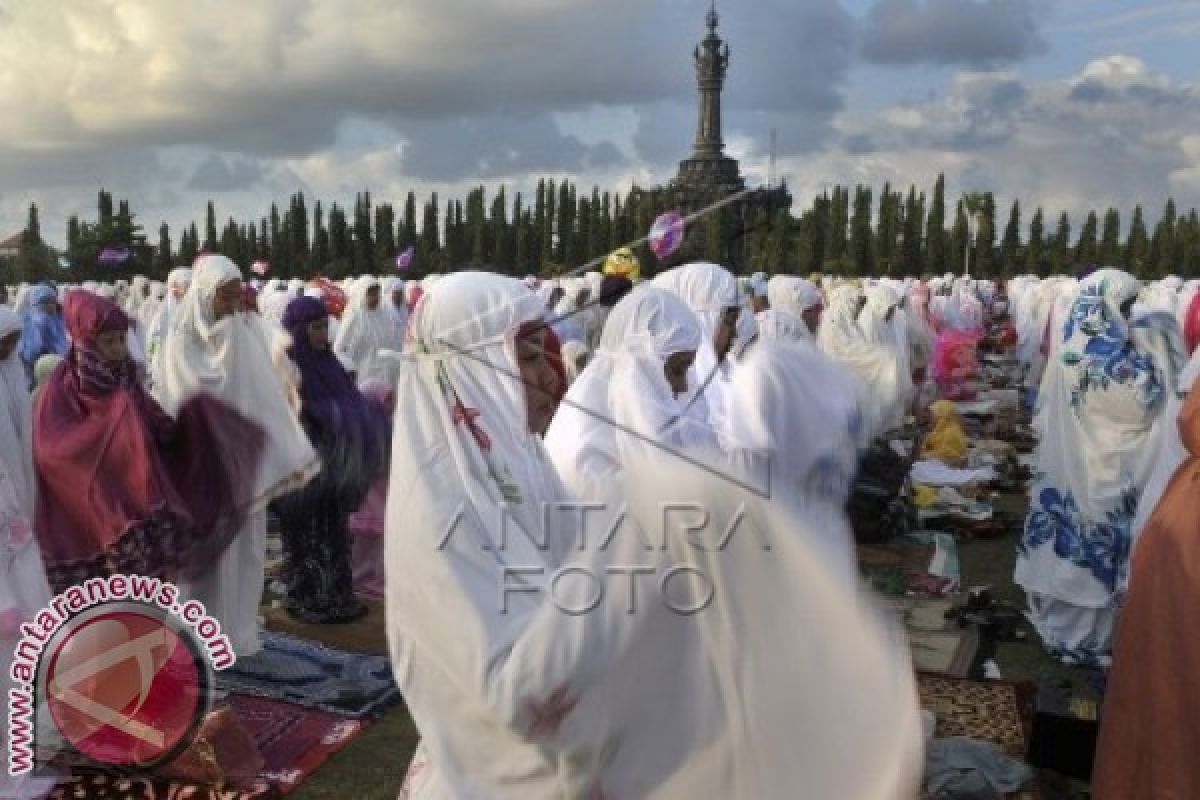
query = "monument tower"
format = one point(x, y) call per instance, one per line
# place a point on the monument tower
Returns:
point(709, 171)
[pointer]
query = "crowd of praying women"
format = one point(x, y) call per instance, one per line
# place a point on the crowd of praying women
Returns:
point(414, 437)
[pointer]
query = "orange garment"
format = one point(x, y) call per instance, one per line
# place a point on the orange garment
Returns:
point(1148, 741)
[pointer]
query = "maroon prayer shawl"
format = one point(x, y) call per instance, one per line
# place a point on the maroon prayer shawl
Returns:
point(121, 486)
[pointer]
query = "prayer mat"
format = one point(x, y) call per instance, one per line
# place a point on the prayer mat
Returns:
point(108, 787)
point(923, 563)
point(992, 711)
point(949, 652)
point(312, 675)
point(294, 743)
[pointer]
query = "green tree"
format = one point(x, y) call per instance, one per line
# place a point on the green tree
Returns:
point(1110, 240)
point(1035, 252)
point(887, 230)
point(911, 249)
point(501, 255)
point(320, 237)
point(862, 250)
point(385, 237)
point(409, 237)
point(162, 255)
point(428, 247)
point(1137, 245)
point(1060, 250)
point(960, 239)
point(1010, 247)
point(210, 229)
point(935, 232)
point(1087, 249)
point(339, 242)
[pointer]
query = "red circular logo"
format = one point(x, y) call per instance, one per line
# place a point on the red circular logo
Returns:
point(124, 687)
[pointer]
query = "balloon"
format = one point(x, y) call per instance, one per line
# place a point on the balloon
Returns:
point(666, 235)
point(112, 256)
point(405, 259)
point(260, 267)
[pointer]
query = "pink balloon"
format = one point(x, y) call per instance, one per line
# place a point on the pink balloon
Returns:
point(666, 235)
point(260, 267)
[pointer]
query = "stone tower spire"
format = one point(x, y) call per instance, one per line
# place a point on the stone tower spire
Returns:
point(709, 168)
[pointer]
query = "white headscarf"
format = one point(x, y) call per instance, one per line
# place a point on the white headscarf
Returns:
point(780, 325)
point(16, 419)
point(793, 296)
point(365, 331)
point(622, 404)
point(797, 432)
point(164, 319)
point(230, 360)
point(886, 385)
point(709, 291)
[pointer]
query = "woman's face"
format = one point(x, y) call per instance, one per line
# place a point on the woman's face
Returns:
point(726, 332)
point(112, 347)
point(812, 318)
point(318, 334)
point(540, 380)
point(227, 300)
point(8, 344)
point(676, 370)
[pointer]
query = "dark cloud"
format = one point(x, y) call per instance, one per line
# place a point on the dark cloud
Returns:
point(486, 148)
point(966, 32)
point(218, 174)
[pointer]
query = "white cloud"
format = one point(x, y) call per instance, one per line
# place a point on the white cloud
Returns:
point(467, 91)
point(1126, 139)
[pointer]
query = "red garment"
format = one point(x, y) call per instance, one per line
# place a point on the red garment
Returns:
point(1191, 325)
point(122, 487)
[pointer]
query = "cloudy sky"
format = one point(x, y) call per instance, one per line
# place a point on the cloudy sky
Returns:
point(1067, 103)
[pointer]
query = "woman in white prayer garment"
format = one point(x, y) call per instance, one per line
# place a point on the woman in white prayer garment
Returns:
point(24, 590)
point(515, 697)
point(795, 309)
point(796, 437)
point(396, 306)
point(628, 398)
point(366, 329)
point(885, 383)
point(178, 282)
point(711, 292)
point(1102, 399)
point(228, 357)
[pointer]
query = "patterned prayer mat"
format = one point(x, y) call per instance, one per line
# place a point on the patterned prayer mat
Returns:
point(105, 787)
point(993, 711)
point(294, 743)
point(309, 674)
